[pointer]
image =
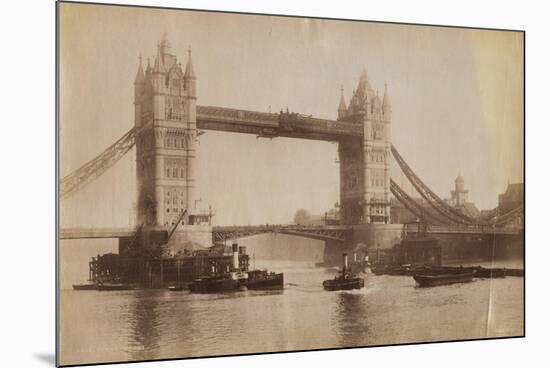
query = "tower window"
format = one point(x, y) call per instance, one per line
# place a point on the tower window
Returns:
point(168, 172)
point(175, 172)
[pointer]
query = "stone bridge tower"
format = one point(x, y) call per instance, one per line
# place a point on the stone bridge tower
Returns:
point(365, 165)
point(165, 119)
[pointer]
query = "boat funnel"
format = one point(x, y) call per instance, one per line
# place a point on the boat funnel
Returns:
point(235, 256)
point(345, 259)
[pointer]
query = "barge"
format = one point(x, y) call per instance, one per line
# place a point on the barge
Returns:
point(438, 278)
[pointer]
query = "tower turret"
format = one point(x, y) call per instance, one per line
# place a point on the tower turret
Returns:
point(148, 69)
point(386, 103)
point(140, 75)
point(159, 64)
point(342, 109)
point(139, 82)
point(459, 196)
point(190, 80)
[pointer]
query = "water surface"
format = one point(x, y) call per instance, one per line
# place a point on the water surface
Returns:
point(157, 324)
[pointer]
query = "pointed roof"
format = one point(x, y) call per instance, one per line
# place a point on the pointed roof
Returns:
point(159, 65)
point(364, 88)
point(342, 104)
point(139, 74)
point(148, 68)
point(189, 71)
point(386, 103)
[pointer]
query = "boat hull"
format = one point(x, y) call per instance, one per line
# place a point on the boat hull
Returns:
point(443, 279)
point(114, 287)
point(85, 287)
point(347, 284)
point(206, 286)
point(490, 272)
point(272, 281)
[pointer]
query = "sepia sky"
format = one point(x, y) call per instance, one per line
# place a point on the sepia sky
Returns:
point(457, 98)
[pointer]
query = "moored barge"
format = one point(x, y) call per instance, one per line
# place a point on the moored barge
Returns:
point(443, 278)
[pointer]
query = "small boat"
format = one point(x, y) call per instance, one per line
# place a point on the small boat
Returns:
point(113, 287)
point(441, 278)
point(85, 287)
point(237, 279)
point(345, 280)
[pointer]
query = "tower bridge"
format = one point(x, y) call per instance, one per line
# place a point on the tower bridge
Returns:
point(168, 122)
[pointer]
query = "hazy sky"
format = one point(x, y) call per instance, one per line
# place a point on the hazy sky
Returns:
point(457, 98)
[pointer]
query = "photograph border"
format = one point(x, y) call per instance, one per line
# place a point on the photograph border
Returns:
point(58, 178)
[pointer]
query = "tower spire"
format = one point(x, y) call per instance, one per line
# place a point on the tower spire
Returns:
point(189, 71)
point(342, 105)
point(139, 74)
point(159, 65)
point(386, 103)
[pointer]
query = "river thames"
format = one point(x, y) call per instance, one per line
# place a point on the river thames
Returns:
point(153, 324)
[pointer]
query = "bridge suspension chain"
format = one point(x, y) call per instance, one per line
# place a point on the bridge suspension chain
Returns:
point(412, 205)
point(509, 216)
point(94, 168)
point(433, 199)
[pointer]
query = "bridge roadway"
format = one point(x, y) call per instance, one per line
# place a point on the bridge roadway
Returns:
point(270, 125)
point(337, 233)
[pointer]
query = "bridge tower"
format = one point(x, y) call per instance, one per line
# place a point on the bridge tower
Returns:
point(165, 119)
point(365, 165)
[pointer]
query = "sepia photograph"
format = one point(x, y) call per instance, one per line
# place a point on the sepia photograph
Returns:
point(238, 183)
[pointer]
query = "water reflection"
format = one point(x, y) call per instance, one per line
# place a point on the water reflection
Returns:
point(144, 325)
point(351, 317)
point(158, 324)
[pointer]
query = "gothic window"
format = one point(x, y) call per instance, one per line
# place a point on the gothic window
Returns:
point(168, 174)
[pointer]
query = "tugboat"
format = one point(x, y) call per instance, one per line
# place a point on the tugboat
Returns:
point(345, 280)
point(237, 279)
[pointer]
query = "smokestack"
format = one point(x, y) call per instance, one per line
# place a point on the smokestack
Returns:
point(235, 256)
point(345, 256)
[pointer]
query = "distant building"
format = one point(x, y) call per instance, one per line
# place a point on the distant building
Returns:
point(511, 199)
point(459, 196)
point(459, 199)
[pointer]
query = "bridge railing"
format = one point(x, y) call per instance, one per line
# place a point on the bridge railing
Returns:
point(472, 229)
